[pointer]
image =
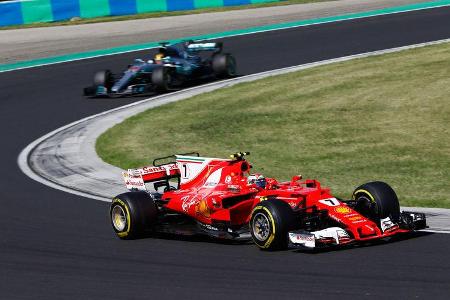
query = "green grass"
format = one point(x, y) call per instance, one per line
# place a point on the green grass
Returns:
point(378, 118)
point(159, 14)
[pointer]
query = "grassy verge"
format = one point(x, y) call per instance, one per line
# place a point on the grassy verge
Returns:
point(379, 118)
point(160, 14)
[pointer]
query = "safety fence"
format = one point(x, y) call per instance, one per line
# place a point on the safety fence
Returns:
point(18, 12)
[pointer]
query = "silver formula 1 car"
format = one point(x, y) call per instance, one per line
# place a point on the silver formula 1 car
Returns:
point(172, 67)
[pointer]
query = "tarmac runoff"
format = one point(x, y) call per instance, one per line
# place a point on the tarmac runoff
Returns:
point(65, 159)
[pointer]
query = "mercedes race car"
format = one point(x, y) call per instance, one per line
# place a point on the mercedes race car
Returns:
point(172, 67)
point(222, 199)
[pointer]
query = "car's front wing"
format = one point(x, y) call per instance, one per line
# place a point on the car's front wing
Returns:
point(334, 236)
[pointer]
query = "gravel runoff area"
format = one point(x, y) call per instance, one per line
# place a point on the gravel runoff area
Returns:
point(32, 43)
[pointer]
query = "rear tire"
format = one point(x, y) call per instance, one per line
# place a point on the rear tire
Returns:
point(104, 78)
point(269, 224)
point(224, 65)
point(132, 214)
point(161, 79)
point(377, 200)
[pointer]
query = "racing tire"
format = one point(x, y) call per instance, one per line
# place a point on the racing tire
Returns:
point(133, 214)
point(377, 200)
point(104, 78)
point(161, 79)
point(269, 224)
point(224, 65)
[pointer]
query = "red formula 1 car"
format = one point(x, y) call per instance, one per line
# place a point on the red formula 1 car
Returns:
point(222, 199)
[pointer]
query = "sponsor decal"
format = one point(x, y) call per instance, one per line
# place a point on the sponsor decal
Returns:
point(343, 210)
point(262, 198)
point(187, 202)
point(120, 201)
point(355, 218)
point(214, 178)
point(334, 218)
point(228, 179)
point(235, 188)
point(359, 221)
point(305, 239)
point(133, 182)
point(202, 45)
point(208, 227)
point(335, 233)
point(134, 173)
point(203, 208)
point(150, 170)
point(352, 215)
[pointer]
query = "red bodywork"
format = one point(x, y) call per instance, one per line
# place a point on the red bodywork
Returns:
point(216, 191)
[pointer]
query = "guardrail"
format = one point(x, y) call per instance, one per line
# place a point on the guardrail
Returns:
point(19, 12)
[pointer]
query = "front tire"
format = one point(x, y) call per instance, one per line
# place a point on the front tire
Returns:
point(161, 79)
point(132, 214)
point(104, 78)
point(269, 224)
point(377, 200)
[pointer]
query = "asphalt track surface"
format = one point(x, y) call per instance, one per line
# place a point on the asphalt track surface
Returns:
point(55, 245)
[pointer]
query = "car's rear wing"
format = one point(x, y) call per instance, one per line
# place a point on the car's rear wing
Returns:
point(204, 46)
point(158, 173)
point(187, 169)
point(135, 179)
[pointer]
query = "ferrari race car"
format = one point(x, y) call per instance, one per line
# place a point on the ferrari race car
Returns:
point(222, 199)
point(170, 68)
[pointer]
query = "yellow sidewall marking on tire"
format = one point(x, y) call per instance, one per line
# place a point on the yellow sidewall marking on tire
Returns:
point(272, 235)
point(368, 194)
point(124, 233)
point(365, 192)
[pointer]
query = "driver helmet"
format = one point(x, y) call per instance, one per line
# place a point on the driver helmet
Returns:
point(257, 179)
point(158, 57)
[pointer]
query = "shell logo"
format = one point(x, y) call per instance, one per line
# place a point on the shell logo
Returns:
point(203, 208)
point(342, 210)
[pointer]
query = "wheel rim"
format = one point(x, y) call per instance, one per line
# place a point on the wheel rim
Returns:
point(119, 218)
point(261, 227)
point(366, 207)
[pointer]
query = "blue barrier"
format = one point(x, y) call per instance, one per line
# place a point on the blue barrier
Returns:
point(20, 12)
point(10, 13)
point(173, 5)
point(63, 10)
